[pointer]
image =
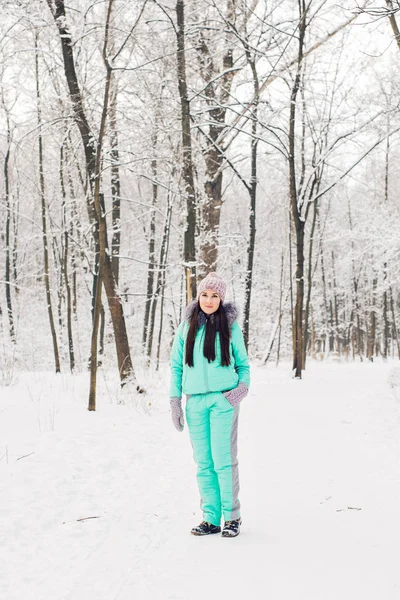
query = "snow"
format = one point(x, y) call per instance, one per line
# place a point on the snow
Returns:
point(320, 483)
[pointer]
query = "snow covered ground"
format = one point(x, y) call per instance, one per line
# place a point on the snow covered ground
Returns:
point(98, 506)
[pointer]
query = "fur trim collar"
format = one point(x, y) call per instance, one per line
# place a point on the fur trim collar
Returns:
point(231, 312)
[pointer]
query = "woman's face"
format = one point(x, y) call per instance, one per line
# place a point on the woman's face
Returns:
point(209, 301)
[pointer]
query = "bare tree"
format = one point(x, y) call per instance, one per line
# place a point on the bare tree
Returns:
point(152, 240)
point(8, 265)
point(115, 182)
point(217, 83)
point(65, 264)
point(46, 269)
point(298, 218)
point(189, 249)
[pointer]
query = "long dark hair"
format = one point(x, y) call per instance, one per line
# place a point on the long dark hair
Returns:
point(215, 322)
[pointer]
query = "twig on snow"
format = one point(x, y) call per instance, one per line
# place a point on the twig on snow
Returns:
point(25, 455)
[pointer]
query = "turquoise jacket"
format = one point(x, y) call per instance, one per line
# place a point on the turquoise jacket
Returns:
point(206, 376)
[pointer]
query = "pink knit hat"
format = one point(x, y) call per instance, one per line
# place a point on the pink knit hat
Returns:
point(212, 282)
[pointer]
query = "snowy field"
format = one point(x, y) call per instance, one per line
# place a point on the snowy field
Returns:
point(98, 506)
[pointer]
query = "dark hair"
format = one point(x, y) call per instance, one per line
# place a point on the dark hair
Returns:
point(215, 322)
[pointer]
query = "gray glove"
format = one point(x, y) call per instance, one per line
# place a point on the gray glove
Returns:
point(236, 395)
point(177, 413)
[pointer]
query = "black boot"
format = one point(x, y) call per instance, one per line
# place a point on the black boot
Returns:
point(205, 528)
point(232, 528)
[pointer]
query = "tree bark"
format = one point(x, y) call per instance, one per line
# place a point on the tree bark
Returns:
point(385, 349)
point(152, 241)
point(372, 327)
point(340, 342)
point(65, 266)
point(115, 185)
point(299, 222)
point(98, 199)
point(323, 278)
point(217, 101)
point(253, 200)
point(393, 22)
point(46, 269)
point(8, 231)
point(395, 333)
point(278, 351)
point(309, 283)
point(160, 283)
point(356, 334)
point(162, 274)
point(189, 249)
point(385, 266)
point(15, 224)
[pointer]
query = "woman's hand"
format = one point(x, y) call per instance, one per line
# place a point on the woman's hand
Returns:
point(177, 413)
point(236, 395)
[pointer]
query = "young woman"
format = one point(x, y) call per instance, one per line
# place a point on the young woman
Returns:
point(209, 364)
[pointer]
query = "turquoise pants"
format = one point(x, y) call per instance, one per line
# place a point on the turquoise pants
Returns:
point(213, 425)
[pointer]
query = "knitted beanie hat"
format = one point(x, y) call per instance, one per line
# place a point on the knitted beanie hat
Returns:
point(212, 282)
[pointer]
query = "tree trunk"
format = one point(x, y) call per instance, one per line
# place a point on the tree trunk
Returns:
point(163, 264)
point(372, 327)
point(98, 199)
point(46, 270)
point(115, 186)
point(340, 342)
point(280, 311)
point(385, 266)
point(58, 268)
point(94, 340)
point(65, 266)
point(291, 278)
point(189, 250)
point(253, 198)
point(309, 283)
point(299, 222)
point(393, 22)
point(102, 332)
point(215, 153)
point(323, 277)
point(75, 229)
point(8, 236)
point(395, 333)
point(385, 350)
point(15, 223)
point(160, 283)
point(357, 347)
point(152, 238)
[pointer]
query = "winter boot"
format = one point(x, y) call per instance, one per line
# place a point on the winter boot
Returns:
point(232, 528)
point(205, 528)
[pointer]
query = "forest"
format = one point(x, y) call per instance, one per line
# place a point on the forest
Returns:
point(145, 144)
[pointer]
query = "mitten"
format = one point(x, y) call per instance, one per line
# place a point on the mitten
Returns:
point(236, 395)
point(177, 413)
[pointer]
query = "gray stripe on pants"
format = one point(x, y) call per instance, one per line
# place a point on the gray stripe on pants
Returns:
point(235, 469)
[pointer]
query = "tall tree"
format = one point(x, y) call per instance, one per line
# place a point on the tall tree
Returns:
point(8, 265)
point(115, 183)
point(189, 248)
point(298, 218)
point(217, 84)
point(46, 269)
point(65, 263)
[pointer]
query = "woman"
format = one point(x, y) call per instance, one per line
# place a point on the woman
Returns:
point(209, 364)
